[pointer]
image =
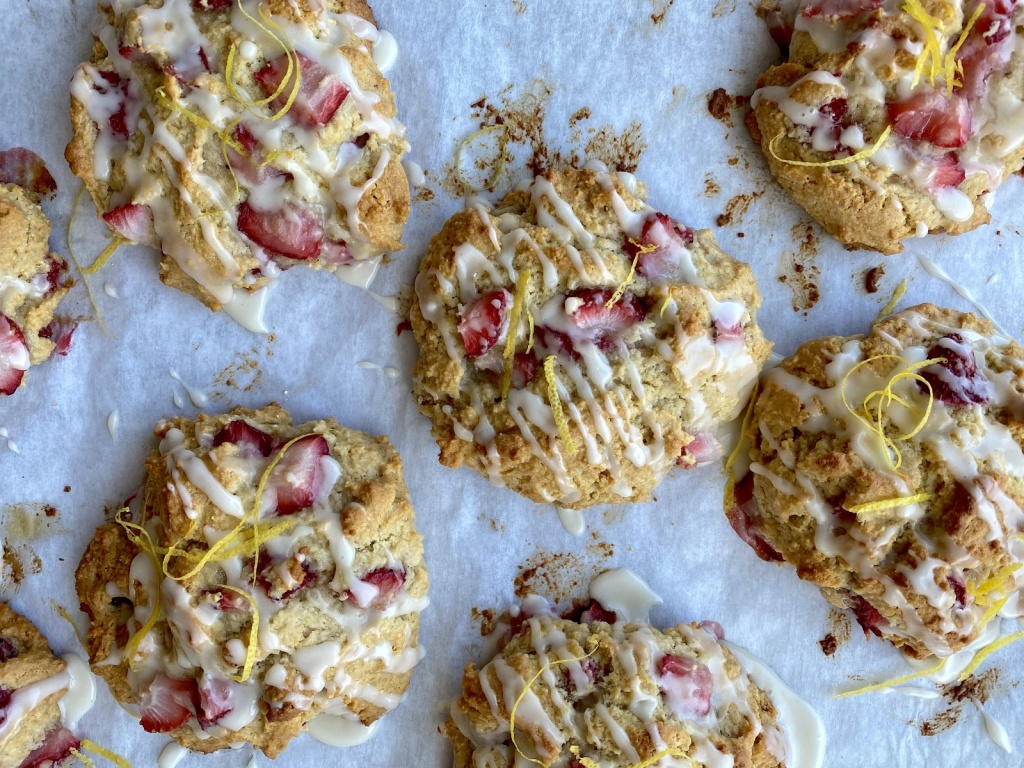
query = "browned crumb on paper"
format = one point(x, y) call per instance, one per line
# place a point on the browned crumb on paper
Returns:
point(563, 577)
point(737, 208)
point(838, 632)
point(873, 278)
point(799, 271)
point(619, 151)
point(721, 105)
point(661, 9)
point(20, 526)
point(711, 187)
point(487, 619)
point(723, 8)
point(579, 115)
point(242, 374)
point(974, 690)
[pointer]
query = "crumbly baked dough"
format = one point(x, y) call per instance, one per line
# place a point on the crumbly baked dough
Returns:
point(339, 591)
point(849, 75)
point(924, 572)
point(231, 197)
point(644, 383)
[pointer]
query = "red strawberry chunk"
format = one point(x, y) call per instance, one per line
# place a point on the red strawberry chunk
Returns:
point(57, 268)
point(26, 169)
point(959, 588)
point(55, 749)
point(298, 478)
point(249, 163)
point(839, 9)
point(5, 700)
point(780, 24)
point(956, 381)
point(551, 342)
point(388, 581)
point(723, 332)
point(484, 322)
point(601, 324)
point(948, 171)
point(250, 441)
point(669, 241)
point(210, 5)
point(335, 253)
point(596, 612)
point(14, 356)
point(867, 615)
point(713, 628)
point(744, 518)
point(273, 581)
point(228, 601)
point(703, 449)
point(933, 117)
point(134, 223)
point(291, 231)
point(524, 369)
point(111, 82)
point(985, 51)
point(215, 700)
point(8, 650)
point(687, 684)
point(167, 704)
point(320, 95)
point(59, 331)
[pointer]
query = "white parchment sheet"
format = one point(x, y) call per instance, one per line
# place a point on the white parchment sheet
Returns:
point(615, 59)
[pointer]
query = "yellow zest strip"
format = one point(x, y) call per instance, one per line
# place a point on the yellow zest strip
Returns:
point(894, 300)
point(502, 146)
point(932, 51)
point(258, 539)
point(951, 64)
point(526, 690)
point(522, 287)
point(890, 683)
point(78, 266)
point(109, 251)
point(640, 249)
point(730, 478)
point(876, 506)
point(994, 582)
point(254, 630)
point(105, 753)
point(556, 404)
point(174, 551)
point(294, 68)
point(62, 612)
point(864, 153)
point(586, 762)
point(988, 650)
point(88, 763)
point(146, 545)
point(664, 305)
point(224, 133)
point(992, 611)
point(529, 317)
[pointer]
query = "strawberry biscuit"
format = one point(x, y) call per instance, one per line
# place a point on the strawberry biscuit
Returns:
point(32, 280)
point(924, 93)
point(241, 137)
point(576, 344)
point(266, 578)
point(889, 470)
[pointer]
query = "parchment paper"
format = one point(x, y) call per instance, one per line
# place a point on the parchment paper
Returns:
point(648, 61)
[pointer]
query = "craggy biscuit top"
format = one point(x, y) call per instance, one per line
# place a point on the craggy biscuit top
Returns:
point(241, 137)
point(266, 575)
point(576, 344)
point(888, 469)
point(926, 93)
point(607, 692)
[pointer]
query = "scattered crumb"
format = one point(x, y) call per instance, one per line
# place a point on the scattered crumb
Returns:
point(723, 8)
point(838, 632)
point(620, 152)
point(562, 577)
point(828, 644)
point(242, 374)
point(799, 270)
point(974, 690)
point(711, 187)
point(661, 9)
point(736, 208)
point(67, 489)
point(721, 104)
point(487, 620)
point(578, 116)
point(873, 277)
point(22, 525)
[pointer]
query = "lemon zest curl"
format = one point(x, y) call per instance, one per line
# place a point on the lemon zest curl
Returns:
point(863, 154)
point(556, 404)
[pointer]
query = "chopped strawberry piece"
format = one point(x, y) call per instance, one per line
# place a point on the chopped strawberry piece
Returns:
point(599, 323)
point(59, 331)
point(744, 517)
point(484, 322)
point(687, 685)
point(552, 342)
point(250, 162)
point(388, 581)
point(270, 579)
point(291, 231)
point(215, 700)
point(250, 441)
point(360, 140)
point(14, 357)
point(228, 601)
point(956, 381)
point(596, 612)
point(959, 590)
point(867, 615)
point(524, 369)
point(57, 268)
point(948, 171)
point(8, 650)
point(167, 704)
point(26, 169)
point(780, 24)
point(111, 82)
point(839, 9)
point(335, 253)
point(669, 241)
point(55, 749)
point(134, 223)
point(320, 95)
point(703, 449)
point(933, 117)
point(298, 478)
point(984, 51)
point(210, 5)
point(713, 628)
point(723, 332)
